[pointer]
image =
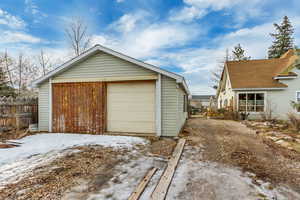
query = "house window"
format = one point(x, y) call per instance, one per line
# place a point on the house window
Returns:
point(251, 102)
point(298, 99)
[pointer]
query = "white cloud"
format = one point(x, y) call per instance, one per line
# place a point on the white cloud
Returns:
point(17, 37)
point(32, 8)
point(11, 21)
point(128, 22)
point(196, 9)
point(139, 38)
point(120, 1)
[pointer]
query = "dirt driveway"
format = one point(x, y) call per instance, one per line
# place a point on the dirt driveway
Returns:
point(226, 160)
point(222, 160)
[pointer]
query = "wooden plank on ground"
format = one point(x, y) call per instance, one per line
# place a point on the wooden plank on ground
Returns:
point(141, 187)
point(162, 187)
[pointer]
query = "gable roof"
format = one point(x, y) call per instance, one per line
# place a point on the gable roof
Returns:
point(261, 73)
point(100, 48)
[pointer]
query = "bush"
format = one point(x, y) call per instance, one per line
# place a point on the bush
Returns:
point(231, 115)
point(294, 121)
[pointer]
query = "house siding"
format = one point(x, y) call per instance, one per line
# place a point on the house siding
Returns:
point(281, 100)
point(278, 101)
point(173, 116)
point(228, 94)
point(103, 65)
point(181, 115)
point(43, 106)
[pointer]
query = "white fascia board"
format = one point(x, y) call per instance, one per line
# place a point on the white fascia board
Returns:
point(256, 89)
point(284, 77)
point(111, 52)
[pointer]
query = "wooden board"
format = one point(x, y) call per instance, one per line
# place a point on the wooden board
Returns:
point(141, 187)
point(79, 107)
point(162, 187)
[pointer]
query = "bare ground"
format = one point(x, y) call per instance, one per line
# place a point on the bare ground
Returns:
point(221, 160)
point(93, 163)
point(234, 145)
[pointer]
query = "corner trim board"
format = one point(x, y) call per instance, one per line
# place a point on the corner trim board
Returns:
point(158, 105)
point(50, 105)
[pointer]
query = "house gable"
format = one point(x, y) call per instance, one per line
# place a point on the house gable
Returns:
point(104, 67)
point(99, 48)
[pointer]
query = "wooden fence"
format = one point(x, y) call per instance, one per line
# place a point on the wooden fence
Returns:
point(18, 113)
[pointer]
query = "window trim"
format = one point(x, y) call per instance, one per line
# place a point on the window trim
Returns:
point(296, 99)
point(248, 92)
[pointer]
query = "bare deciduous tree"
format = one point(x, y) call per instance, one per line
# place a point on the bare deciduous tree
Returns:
point(44, 62)
point(24, 73)
point(77, 35)
point(216, 73)
point(8, 65)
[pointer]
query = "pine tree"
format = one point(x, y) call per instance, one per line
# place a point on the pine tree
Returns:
point(283, 38)
point(5, 89)
point(239, 53)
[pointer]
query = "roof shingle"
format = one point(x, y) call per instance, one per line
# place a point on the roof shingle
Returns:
point(260, 73)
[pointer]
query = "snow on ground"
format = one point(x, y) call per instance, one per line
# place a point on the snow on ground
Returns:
point(128, 176)
point(207, 180)
point(39, 149)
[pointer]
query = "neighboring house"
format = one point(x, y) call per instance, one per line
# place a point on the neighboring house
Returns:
point(103, 91)
point(261, 86)
point(201, 101)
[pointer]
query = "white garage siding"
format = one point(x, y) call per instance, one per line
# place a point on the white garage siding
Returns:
point(44, 106)
point(173, 116)
point(104, 65)
point(182, 116)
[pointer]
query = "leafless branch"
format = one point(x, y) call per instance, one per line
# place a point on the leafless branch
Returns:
point(77, 35)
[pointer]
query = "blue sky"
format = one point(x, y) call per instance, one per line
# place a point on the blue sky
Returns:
point(189, 37)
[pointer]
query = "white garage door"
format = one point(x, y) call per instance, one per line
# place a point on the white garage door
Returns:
point(131, 107)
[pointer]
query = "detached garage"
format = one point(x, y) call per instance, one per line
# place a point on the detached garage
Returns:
point(103, 91)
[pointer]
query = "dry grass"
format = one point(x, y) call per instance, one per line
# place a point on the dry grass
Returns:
point(94, 163)
point(294, 121)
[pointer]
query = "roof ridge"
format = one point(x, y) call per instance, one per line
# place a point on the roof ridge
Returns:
point(272, 59)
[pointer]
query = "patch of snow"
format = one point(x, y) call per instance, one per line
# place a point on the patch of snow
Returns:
point(195, 179)
point(43, 143)
point(127, 177)
point(38, 149)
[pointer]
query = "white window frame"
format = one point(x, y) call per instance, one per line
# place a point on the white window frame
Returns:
point(254, 92)
point(296, 99)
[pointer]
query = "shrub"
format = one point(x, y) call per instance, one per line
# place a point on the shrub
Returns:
point(294, 121)
point(231, 115)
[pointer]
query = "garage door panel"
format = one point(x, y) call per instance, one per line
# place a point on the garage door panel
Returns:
point(130, 127)
point(131, 107)
point(79, 107)
point(137, 116)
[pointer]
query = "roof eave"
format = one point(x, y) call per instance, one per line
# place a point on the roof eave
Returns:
point(259, 89)
point(96, 48)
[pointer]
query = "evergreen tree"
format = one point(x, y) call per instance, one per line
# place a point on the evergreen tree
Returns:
point(5, 89)
point(283, 38)
point(239, 53)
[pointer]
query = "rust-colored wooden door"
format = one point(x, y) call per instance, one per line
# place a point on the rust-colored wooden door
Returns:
point(79, 107)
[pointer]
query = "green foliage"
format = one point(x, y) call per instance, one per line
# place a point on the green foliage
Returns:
point(239, 53)
point(296, 105)
point(5, 89)
point(283, 39)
